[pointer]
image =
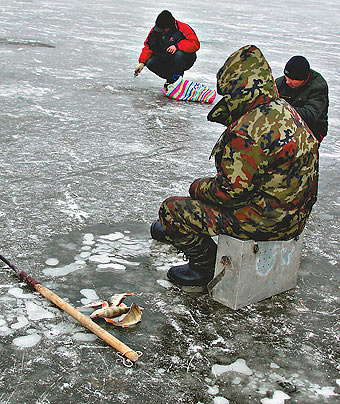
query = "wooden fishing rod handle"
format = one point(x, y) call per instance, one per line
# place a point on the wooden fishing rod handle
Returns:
point(88, 323)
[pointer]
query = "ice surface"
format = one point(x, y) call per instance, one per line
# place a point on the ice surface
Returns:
point(88, 151)
point(27, 341)
point(238, 366)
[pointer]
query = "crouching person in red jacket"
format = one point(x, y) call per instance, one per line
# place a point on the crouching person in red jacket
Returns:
point(169, 49)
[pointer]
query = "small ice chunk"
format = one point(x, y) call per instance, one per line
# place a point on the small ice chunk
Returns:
point(84, 254)
point(86, 248)
point(88, 237)
point(123, 261)
point(274, 366)
point(101, 258)
point(84, 337)
point(4, 330)
point(112, 266)
point(220, 400)
point(279, 397)
point(113, 236)
point(19, 294)
point(52, 262)
point(213, 390)
point(166, 284)
point(84, 301)
point(237, 380)
point(238, 366)
point(337, 381)
point(326, 391)
point(36, 312)
point(27, 341)
point(89, 294)
point(2, 322)
point(88, 242)
point(22, 322)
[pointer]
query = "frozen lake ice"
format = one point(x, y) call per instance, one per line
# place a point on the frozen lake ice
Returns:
point(89, 153)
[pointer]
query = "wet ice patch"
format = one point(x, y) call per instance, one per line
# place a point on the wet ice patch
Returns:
point(27, 341)
point(279, 397)
point(36, 312)
point(238, 366)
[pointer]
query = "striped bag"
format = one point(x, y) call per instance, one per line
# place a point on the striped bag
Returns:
point(186, 90)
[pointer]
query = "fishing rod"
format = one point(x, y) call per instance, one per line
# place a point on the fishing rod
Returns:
point(77, 315)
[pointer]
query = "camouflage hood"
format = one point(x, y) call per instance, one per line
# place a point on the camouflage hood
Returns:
point(245, 81)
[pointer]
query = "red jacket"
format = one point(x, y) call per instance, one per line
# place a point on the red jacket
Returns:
point(190, 44)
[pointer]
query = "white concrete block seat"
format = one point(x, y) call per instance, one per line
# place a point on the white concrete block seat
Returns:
point(248, 271)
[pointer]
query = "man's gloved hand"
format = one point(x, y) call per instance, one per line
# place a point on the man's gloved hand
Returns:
point(139, 68)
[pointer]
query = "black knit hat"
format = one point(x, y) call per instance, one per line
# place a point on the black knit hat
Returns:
point(297, 68)
point(164, 20)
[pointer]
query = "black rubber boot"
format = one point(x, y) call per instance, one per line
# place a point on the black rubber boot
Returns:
point(201, 267)
point(188, 275)
point(157, 231)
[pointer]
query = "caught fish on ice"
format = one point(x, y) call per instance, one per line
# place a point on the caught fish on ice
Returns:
point(110, 311)
point(114, 300)
point(115, 312)
point(133, 316)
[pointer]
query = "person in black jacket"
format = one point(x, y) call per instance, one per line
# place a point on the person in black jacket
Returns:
point(307, 91)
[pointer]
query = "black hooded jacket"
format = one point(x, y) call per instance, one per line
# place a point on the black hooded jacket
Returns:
point(310, 101)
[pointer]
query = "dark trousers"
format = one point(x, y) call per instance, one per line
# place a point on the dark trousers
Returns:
point(168, 65)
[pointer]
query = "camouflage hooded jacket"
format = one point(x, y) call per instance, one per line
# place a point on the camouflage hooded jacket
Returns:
point(266, 160)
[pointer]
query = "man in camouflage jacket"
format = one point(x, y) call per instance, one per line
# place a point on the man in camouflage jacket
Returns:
point(267, 171)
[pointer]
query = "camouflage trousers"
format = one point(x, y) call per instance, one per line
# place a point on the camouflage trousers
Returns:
point(189, 225)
